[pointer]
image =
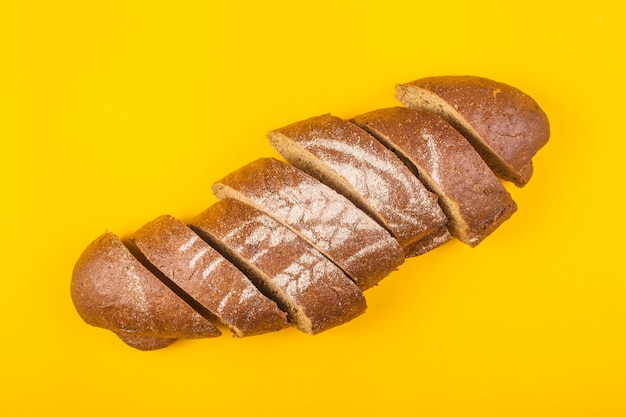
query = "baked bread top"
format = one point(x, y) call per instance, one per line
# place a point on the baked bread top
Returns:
point(298, 239)
point(315, 292)
point(472, 197)
point(362, 248)
point(112, 290)
point(506, 126)
point(349, 160)
point(206, 276)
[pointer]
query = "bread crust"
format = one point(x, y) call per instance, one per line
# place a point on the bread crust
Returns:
point(363, 249)
point(315, 291)
point(506, 126)
point(307, 250)
point(208, 277)
point(473, 198)
point(351, 161)
point(112, 290)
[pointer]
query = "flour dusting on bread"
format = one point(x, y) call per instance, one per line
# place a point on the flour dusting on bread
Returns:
point(297, 242)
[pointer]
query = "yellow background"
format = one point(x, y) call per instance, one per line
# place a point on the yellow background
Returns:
point(115, 112)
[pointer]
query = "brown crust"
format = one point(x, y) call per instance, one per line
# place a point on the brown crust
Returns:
point(322, 296)
point(112, 290)
point(145, 342)
point(351, 161)
point(432, 241)
point(124, 292)
point(207, 277)
point(474, 199)
point(502, 117)
point(356, 243)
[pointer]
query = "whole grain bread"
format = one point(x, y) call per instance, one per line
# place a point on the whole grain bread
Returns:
point(506, 126)
point(473, 199)
point(206, 276)
point(274, 218)
point(348, 159)
point(315, 292)
point(362, 248)
point(112, 290)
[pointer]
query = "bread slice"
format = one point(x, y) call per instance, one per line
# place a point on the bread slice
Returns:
point(112, 290)
point(429, 242)
point(204, 274)
point(315, 292)
point(504, 125)
point(363, 249)
point(349, 160)
point(472, 197)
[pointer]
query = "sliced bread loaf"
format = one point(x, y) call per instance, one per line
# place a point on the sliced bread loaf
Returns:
point(363, 249)
point(112, 290)
point(204, 274)
point(506, 126)
point(472, 197)
point(349, 160)
point(314, 291)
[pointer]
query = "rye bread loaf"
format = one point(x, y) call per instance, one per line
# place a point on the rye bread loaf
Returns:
point(474, 200)
point(112, 290)
point(314, 291)
point(204, 274)
point(362, 248)
point(506, 126)
point(349, 160)
point(121, 290)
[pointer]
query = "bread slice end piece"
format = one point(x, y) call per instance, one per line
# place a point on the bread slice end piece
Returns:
point(111, 289)
point(418, 98)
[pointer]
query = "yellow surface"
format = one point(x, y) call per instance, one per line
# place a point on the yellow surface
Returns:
point(114, 112)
